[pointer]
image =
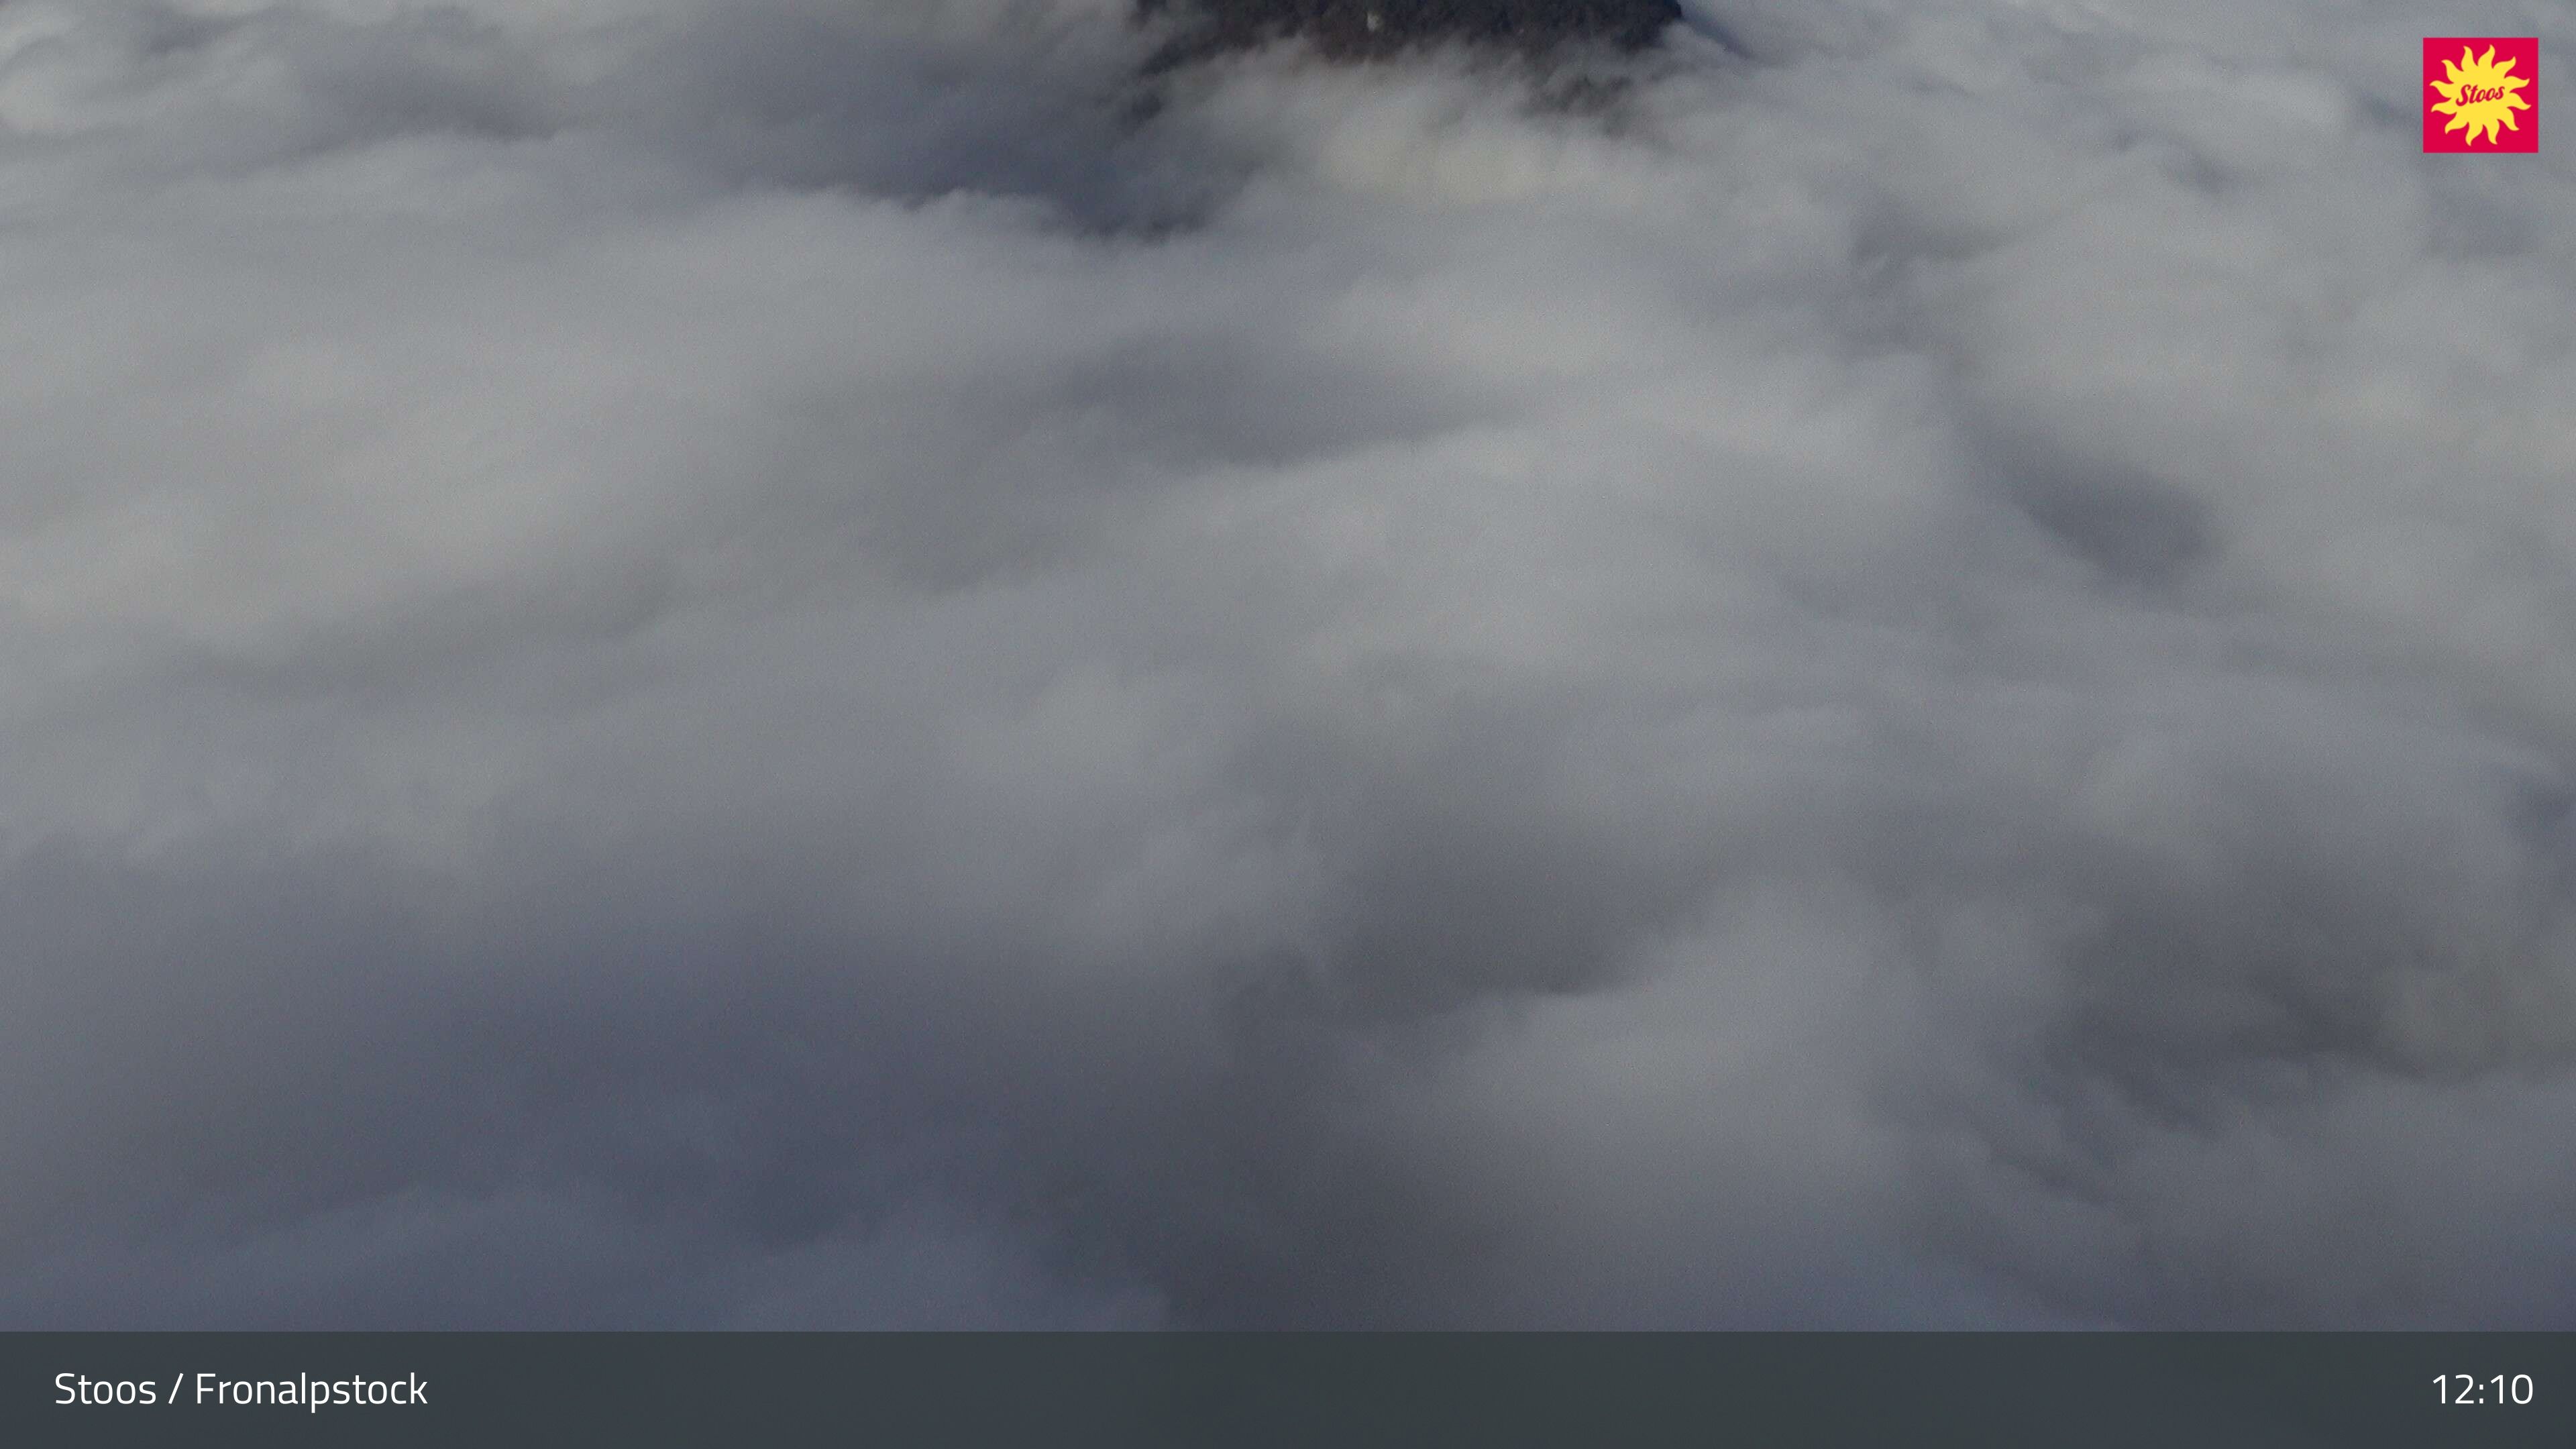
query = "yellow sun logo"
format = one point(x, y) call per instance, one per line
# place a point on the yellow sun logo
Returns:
point(2479, 94)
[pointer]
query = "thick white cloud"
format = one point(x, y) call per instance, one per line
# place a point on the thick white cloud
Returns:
point(671, 662)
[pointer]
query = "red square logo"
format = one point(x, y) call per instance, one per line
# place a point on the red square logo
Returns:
point(2481, 93)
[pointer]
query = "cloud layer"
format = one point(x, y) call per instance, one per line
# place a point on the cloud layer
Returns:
point(672, 663)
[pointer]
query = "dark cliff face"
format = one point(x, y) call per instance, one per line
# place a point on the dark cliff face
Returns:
point(1359, 28)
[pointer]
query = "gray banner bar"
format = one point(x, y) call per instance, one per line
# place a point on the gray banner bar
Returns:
point(1772, 1390)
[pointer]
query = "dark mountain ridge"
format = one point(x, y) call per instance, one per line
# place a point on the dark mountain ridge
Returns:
point(1362, 28)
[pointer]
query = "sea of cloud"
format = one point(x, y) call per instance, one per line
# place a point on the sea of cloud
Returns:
point(765, 662)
